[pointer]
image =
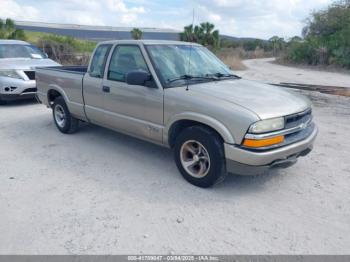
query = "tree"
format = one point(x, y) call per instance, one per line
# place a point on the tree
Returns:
point(188, 34)
point(329, 21)
point(8, 30)
point(326, 37)
point(210, 36)
point(295, 39)
point(136, 33)
point(277, 44)
point(203, 34)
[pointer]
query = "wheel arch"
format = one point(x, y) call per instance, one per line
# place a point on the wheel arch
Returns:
point(54, 92)
point(76, 109)
point(182, 121)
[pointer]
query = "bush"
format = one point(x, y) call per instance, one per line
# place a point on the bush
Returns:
point(261, 48)
point(232, 57)
point(65, 49)
point(302, 53)
point(8, 30)
point(326, 38)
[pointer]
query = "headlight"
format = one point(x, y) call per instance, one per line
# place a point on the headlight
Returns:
point(10, 73)
point(268, 125)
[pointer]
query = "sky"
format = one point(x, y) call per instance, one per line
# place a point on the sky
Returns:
point(253, 18)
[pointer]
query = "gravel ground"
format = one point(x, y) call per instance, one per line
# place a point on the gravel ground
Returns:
point(100, 192)
point(265, 70)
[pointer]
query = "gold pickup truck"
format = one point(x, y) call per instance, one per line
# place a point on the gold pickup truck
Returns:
point(181, 96)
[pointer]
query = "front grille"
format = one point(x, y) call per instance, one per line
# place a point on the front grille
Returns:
point(300, 135)
point(30, 74)
point(30, 90)
point(298, 119)
point(301, 127)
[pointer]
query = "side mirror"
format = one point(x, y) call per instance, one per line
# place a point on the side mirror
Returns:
point(138, 78)
point(46, 55)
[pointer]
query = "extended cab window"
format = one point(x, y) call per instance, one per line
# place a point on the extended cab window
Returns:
point(125, 58)
point(98, 63)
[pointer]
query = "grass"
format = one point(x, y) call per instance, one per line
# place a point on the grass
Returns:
point(232, 61)
point(232, 58)
point(80, 46)
point(34, 37)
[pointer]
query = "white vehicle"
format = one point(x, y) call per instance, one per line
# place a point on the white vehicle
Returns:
point(18, 61)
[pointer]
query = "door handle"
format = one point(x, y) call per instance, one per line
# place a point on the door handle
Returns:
point(106, 89)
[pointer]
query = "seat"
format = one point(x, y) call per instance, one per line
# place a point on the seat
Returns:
point(126, 63)
point(121, 66)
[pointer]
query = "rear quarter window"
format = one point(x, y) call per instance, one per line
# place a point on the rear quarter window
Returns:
point(99, 61)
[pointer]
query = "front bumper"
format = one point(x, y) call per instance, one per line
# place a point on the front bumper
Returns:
point(244, 162)
point(12, 89)
point(23, 96)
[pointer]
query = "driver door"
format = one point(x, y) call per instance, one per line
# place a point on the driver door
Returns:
point(133, 109)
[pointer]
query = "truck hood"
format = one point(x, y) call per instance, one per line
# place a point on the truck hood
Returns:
point(264, 100)
point(25, 63)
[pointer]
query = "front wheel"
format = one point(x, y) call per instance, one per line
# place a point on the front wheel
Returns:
point(199, 156)
point(64, 121)
point(2, 102)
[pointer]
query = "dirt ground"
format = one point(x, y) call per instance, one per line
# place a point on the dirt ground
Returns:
point(265, 71)
point(100, 192)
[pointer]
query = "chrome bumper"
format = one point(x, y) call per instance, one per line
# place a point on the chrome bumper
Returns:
point(244, 162)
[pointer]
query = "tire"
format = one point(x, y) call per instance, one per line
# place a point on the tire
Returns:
point(63, 119)
point(199, 156)
point(2, 102)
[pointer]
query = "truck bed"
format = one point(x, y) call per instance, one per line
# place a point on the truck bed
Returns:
point(68, 81)
point(69, 69)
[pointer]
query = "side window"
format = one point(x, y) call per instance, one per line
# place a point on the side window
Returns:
point(125, 58)
point(98, 63)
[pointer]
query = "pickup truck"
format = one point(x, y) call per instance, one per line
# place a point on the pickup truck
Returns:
point(180, 95)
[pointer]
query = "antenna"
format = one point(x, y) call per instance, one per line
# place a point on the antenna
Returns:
point(189, 57)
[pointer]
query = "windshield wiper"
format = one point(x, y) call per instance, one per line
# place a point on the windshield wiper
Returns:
point(221, 75)
point(190, 77)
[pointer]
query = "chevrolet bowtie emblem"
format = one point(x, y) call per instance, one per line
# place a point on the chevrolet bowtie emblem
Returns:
point(303, 125)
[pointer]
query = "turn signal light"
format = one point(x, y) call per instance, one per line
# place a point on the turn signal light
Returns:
point(263, 142)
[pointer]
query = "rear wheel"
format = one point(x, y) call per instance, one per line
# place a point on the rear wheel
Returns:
point(64, 121)
point(199, 156)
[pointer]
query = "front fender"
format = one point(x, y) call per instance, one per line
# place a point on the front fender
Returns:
point(203, 119)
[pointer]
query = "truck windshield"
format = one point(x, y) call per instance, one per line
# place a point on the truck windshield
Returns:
point(20, 51)
point(181, 64)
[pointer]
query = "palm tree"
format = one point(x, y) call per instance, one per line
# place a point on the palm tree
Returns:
point(198, 34)
point(136, 33)
point(211, 37)
point(216, 39)
point(8, 30)
point(207, 29)
point(203, 34)
point(277, 43)
point(188, 34)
